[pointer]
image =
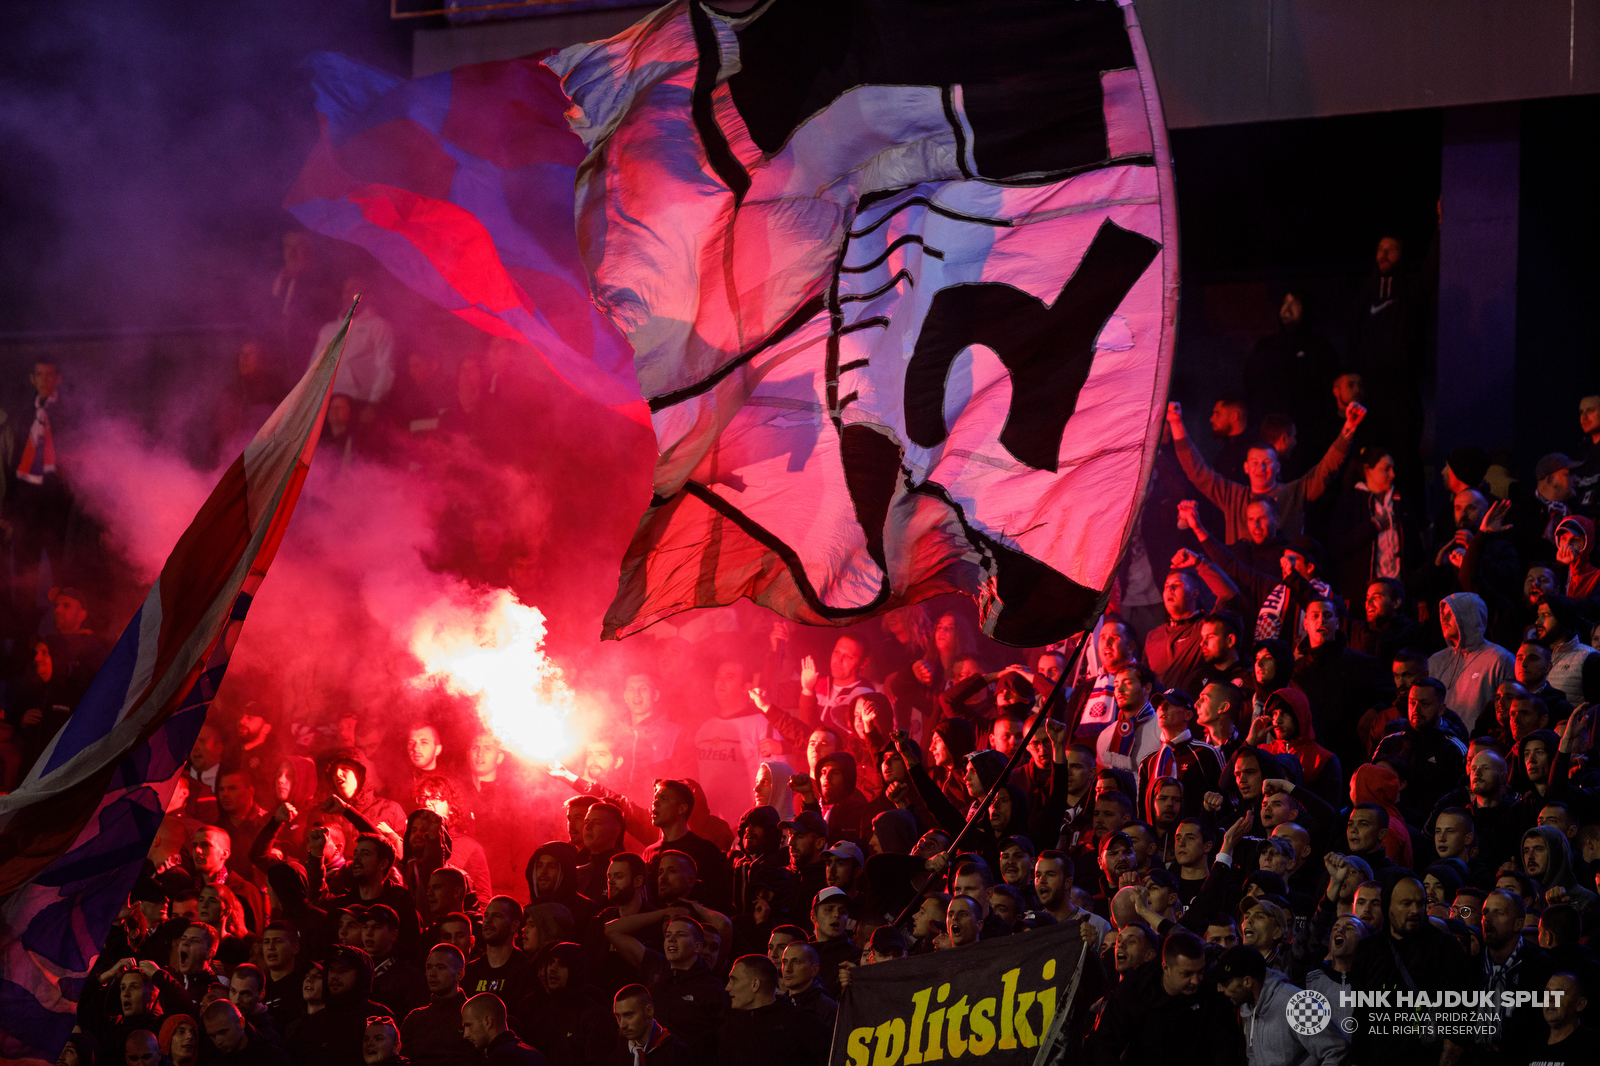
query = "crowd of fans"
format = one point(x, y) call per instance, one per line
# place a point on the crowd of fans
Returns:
point(1335, 733)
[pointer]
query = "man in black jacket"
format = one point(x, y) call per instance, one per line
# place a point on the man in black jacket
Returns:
point(1409, 954)
point(396, 981)
point(483, 1022)
point(764, 1028)
point(1161, 1013)
point(798, 977)
point(237, 1045)
point(332, 1036)
point(641, 1040)
point(431, 1034)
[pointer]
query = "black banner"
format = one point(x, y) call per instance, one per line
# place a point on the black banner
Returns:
point(996, 1000)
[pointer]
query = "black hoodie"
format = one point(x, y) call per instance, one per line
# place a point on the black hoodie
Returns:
point(332, 1036)
point(566, 891)
point(569, 1025)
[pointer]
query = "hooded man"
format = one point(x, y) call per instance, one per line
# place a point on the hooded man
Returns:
point(834, 795)
point(332, 1035)
point(562, 1020)
point(763, 860)
point(1471, 667)
point(349, 781)
point(1293, 733)
point(552, 876)
point(1547, 858)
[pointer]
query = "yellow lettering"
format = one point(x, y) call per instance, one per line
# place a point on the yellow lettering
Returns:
point(1025, 1030)
point(953, 1038)
point(935, 1028)
point(918, 1013)
point(856, 1046)
point(1008, 1009)
point(1049, 969)
point(891, 1041)
point(981, 1042)
point(1047, 1000)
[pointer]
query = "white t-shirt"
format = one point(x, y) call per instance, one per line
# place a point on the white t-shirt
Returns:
point(727, 754)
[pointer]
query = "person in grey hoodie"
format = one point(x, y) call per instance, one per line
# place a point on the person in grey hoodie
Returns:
point(1471, 667)
point(1551, 864)
point(1263, 998)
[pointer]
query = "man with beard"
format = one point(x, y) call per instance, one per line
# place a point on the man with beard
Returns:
point(1262, 995)
point(1470, 667)
point(259, 749)
point(1116, 857)
point(1340, 682)
point(1052, 883)
point(808, 866)
point(431, 1034)
point(370, 862)
point(762, 860)
point(1383, 629)
point(552, 877)
point(1409, 953)
point(1511, 964)
point(333, 1034)
point(1162, 1012)
point(502, 960)
point(626, 896)
point(446, 894)
point(1436, 758)
point(1135, 733)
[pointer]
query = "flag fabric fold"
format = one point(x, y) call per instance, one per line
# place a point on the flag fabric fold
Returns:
point(460, 184)
point(76, 830)
point(901, 282)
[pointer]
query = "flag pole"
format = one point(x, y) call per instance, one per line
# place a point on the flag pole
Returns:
point(1052, 703)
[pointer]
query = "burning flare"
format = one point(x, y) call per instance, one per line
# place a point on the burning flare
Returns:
point(492, 651)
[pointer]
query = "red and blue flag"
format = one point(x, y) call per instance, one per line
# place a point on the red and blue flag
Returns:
point(461, 185)
point(74, 834)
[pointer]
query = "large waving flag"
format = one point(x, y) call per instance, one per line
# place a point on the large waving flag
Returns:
point(75, 832)
point(901, 281)
point(460, 184)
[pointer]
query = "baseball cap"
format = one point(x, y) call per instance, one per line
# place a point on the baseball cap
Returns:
point(1551, 463)
point(1239, 961)
point(345, 955)
point(1178, 698)
point(846, 850)
point(830, 893)
point(806, 822)
point(1163, 877)
point(1573, 526)
point(70, 593)
point(887, 940)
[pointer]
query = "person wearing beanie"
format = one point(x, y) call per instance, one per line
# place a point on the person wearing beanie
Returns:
point(179, 1040)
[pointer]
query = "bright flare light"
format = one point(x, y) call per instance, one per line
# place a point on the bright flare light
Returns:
point(492, 652)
